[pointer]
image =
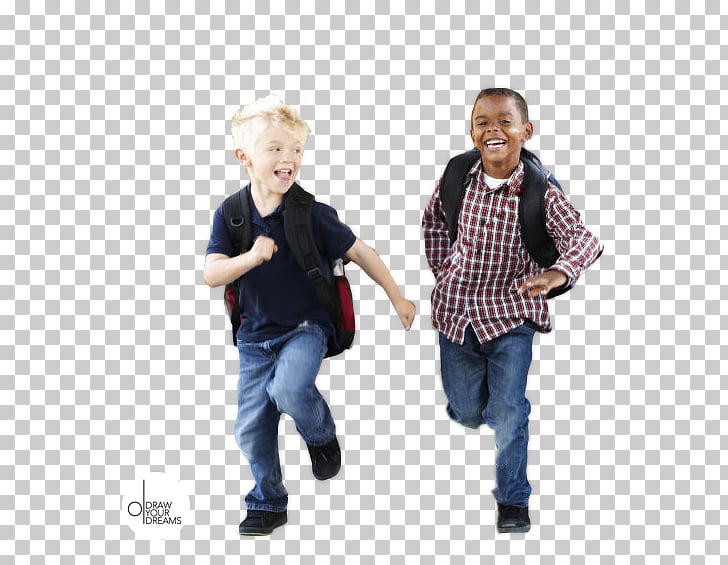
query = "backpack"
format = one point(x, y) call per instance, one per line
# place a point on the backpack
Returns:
point(531, 209)
point(335, 294)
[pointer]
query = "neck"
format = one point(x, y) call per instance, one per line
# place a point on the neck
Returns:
point(499, 170)
point(265, 200)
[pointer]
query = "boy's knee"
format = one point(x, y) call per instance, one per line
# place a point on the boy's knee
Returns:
point(472, 421)
point(472, 424)
point(287, 395)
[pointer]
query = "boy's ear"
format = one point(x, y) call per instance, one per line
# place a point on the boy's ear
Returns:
point(242, 157)
point(528, 132)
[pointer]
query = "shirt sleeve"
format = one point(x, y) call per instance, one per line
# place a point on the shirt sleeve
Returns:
point(333, 237)
point(434, 226)
point(578, 247)
point(219, 238)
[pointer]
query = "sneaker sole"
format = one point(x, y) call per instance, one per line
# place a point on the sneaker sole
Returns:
point(518, 530)
point(326, 477)
point(262, 533)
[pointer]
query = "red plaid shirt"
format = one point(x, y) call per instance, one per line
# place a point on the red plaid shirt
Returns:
point(477, 279)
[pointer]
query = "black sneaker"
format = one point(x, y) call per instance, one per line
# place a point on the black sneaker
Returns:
point(261, 522)
point(513, 519)
point(325, 459)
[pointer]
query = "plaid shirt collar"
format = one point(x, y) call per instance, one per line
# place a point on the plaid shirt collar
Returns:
point(513, 185)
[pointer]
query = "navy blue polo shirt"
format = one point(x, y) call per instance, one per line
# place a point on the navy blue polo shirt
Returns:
point(277, 296)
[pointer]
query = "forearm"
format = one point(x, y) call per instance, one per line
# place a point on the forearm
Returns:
point(581, 250)
point(437, 247)
point(221, 270)
point(434, 228)
point(578, 247)
point(370, 262)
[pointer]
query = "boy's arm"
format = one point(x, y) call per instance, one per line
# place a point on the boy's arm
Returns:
point(368, 259)
point(434, 226)
point(221, 269)
point(578, 247)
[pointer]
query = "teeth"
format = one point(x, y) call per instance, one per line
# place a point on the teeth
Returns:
point(495, 143)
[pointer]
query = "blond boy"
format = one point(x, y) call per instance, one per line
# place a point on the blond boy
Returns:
point(284, 329)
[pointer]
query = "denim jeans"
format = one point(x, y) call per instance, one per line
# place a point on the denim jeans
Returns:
point(278, 376)
point(486, 383)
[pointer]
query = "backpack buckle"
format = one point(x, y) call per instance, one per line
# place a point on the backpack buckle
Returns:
point(315, 274)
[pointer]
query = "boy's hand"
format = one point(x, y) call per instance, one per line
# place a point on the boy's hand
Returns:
point(543, 283)
point(406, 312)
point(263, 248)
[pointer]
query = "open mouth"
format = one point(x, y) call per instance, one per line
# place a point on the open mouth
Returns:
point(495, 143)
point(283, 174)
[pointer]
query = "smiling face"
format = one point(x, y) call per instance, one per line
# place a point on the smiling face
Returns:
point(274, 161)
point(499, 131)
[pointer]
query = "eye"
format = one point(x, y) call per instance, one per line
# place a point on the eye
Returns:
point(505, 122)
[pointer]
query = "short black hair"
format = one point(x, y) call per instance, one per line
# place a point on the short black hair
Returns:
point(520, 100)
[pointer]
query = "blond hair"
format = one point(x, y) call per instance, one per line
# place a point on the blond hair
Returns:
point(250, 120)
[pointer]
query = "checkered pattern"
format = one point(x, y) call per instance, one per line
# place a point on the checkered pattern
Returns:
point(476, 276)
point(114, 151)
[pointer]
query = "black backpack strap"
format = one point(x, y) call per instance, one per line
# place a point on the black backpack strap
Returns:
point(531, 210)
point(532, 213)
point(452, 188)
point(297, 223)
point(526, 155)
point(236, 211)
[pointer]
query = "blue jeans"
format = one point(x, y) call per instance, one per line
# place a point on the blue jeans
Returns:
point(486, 383)
point(278, 376)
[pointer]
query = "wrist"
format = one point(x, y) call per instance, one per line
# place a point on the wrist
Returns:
point(252, 257)
point(559, 278)
point(396, 297)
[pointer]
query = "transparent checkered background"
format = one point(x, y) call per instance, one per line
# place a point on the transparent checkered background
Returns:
point(115, 356)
